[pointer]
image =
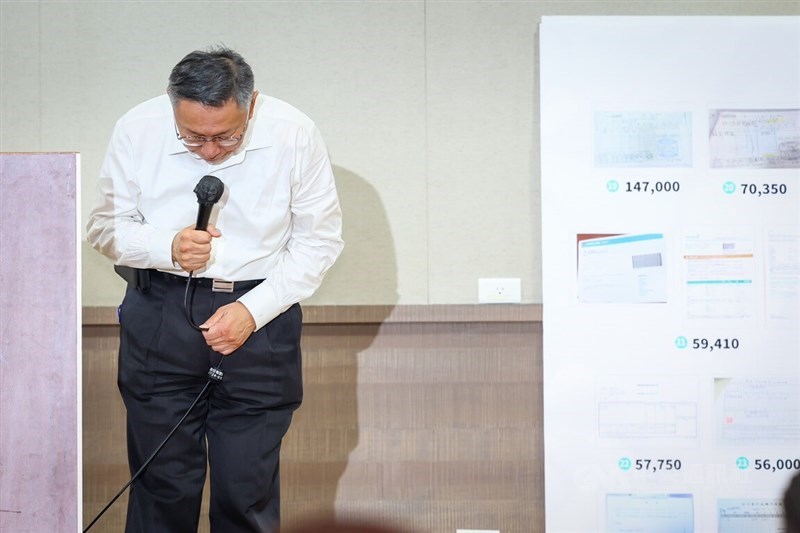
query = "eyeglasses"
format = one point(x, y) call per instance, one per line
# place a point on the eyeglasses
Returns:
point(225, 142)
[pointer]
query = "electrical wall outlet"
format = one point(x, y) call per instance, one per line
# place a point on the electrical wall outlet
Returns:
point(499, 290)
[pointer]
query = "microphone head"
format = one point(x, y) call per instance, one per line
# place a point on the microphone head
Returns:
point(209, 190)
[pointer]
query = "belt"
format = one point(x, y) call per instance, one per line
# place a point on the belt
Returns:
point(216, 285)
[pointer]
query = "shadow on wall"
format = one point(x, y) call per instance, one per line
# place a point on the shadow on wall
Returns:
point(366, 272)
point(325, 430)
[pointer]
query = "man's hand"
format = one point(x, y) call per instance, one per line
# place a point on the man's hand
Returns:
point(228, 328)
point(191, 248)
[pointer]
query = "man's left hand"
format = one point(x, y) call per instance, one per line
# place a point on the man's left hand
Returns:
point(228, 328)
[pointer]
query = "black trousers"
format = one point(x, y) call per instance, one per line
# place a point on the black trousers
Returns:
point(236, 428)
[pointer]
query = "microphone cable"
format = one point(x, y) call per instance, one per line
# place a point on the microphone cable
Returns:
point(214, 376)
point(188, 302)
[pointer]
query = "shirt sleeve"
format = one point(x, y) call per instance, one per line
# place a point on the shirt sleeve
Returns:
point(116, 228)
point(316, 236)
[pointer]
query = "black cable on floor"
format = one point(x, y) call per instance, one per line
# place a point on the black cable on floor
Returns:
point(214, 376)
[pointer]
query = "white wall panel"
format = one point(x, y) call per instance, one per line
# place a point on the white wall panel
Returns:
point(20, 120)
point(481, 165)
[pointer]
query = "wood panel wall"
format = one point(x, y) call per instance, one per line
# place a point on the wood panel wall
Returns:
point(423, 417)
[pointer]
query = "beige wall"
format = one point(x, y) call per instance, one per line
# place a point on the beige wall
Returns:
point(429, 108)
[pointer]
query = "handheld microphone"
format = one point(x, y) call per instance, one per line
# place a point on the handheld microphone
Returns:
point(208, 190)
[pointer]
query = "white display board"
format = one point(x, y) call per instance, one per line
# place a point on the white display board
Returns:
point(671, 271)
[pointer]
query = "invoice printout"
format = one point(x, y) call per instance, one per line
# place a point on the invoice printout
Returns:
point(757, 411)
point(751, 515)
point(754, 138)
point(649, 513)
point(718, 269)
point(642, 139)
point(622, 269)
point(647, 407)
point(783, 275)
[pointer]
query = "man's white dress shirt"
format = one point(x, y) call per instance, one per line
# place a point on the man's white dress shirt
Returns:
point(279, 216)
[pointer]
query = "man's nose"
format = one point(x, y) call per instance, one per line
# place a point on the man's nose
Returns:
point(209, 150)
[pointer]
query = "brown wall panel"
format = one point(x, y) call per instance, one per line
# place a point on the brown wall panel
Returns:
point(431, 425)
